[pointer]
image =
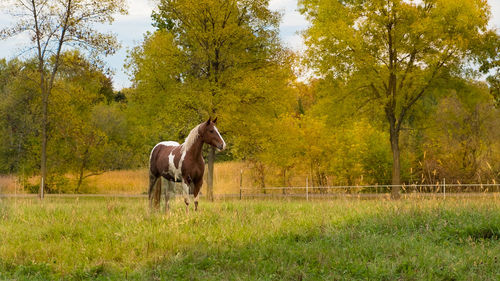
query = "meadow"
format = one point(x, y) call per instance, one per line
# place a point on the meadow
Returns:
point(118, 239)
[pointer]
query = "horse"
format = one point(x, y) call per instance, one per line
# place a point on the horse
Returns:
point(183, 162)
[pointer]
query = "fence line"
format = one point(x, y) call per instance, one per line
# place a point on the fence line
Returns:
point(232, 196)
point(371, 186)
point(355, 191)
point(305, 191)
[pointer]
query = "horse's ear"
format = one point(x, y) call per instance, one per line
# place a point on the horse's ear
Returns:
point(215, 120)
point(208, 122)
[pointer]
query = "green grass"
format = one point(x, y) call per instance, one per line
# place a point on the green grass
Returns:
point(117, 239)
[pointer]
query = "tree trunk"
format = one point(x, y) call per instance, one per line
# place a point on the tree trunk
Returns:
point(43, 156)
point(80, 179)
point(210, 175)
point(82, 169)
point(396, 168)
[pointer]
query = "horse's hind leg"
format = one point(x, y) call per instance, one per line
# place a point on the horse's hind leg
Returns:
point(170, 188)
point(152, 182)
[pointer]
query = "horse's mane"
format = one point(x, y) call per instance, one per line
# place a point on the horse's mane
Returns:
point(190, 139)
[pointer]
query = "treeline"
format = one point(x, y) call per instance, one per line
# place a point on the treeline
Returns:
point(88, 132)
point(395, 95)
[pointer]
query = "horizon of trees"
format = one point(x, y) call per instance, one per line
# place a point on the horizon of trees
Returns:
point(397, 96)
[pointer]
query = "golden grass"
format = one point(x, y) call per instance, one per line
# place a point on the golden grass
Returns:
point(226, 181)
point(8, 184)
point(227, 177)
point(122, 182)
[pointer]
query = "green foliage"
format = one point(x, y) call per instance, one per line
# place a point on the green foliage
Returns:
point(211, 58)
point(19, 117)
point(459, 139)
point(386, 70)
point(52, 27)
point(88, 131)
point(393, 53)
point(157, 106)
point(116, 239)
point(494, 83)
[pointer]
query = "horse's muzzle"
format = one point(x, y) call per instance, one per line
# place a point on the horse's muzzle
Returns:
point(221, 147)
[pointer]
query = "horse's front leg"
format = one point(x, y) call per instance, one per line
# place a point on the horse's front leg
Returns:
point(185, 193)
point(196, 193)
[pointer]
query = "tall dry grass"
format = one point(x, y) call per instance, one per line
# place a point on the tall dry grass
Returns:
point(118, 182)
point(8, 184)
point(226, 181)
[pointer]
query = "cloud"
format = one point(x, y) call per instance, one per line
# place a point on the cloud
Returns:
point(495, 14)
point(291, 16)
point(295, 42)
point(294, 19)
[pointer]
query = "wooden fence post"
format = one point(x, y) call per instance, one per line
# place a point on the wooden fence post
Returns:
point(444, 188)
point(241, 181)
point(307, 188)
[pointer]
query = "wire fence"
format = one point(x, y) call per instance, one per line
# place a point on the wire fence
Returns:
point(440, 189)
point(373, 191)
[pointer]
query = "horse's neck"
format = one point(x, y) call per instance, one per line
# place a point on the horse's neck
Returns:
point(195, 150)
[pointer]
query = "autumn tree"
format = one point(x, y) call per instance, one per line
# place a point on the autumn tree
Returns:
point(392, 53)
point(88, 131)
point(494, 83)
point(457, 139)
point(18, 116)
point(53, 26)
point(229, 64)
point(157, 97)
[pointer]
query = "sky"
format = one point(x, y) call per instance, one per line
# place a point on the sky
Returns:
point(130, 30)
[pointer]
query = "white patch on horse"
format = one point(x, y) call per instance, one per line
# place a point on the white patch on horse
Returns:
point(165, 143)
point(176, 172)
point(185, 189)
point(223, 142)
point(188, 142)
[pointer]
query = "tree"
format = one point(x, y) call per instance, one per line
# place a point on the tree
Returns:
point(52, 26)
point(87, 131)
point(18, 116)
point(458, 139)
point(158, 97)
point(232, 64)
point(494, 83)
point(393, 52)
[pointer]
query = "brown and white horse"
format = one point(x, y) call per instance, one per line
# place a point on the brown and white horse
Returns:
point(183, 162)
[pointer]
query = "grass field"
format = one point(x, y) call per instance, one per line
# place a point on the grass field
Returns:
point(117, 239)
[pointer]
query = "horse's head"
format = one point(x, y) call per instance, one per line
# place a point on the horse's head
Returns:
point(211, 135)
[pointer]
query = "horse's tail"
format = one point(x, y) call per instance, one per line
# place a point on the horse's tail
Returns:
point(152, 176)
